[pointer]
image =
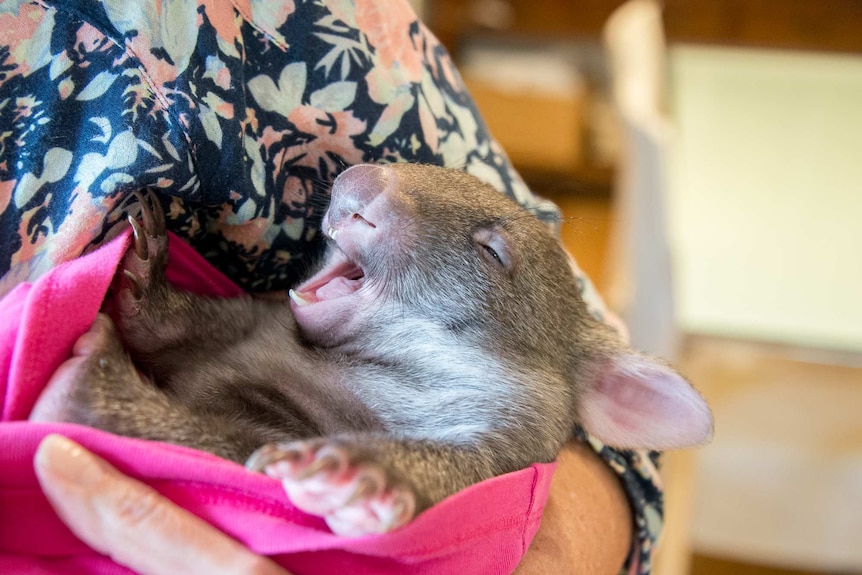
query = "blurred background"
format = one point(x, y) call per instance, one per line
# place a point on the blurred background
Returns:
point(707, 155)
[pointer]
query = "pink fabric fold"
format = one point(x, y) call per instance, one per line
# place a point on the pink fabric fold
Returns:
point(484, 529)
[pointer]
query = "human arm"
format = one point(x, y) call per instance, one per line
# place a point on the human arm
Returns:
point(587, 524)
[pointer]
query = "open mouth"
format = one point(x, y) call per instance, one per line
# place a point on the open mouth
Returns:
point(340, 277)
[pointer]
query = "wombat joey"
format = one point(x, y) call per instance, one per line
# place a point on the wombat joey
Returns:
point(441, 341)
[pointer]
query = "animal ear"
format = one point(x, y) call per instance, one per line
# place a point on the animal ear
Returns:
point(636, 402)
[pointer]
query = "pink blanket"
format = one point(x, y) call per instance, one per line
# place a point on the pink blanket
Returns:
point(471, 532)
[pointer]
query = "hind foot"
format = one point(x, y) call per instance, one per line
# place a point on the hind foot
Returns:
point(327, 478)
point(72, 394)
point(143, 268)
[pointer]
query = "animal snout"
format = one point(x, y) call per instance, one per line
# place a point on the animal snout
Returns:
point(353, 194)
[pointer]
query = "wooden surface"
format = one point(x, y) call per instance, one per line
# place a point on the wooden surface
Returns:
point(538, 131)
point(705, 565)
point(830, 25)
point(819, 25)
point(674, 553)
point(778, 487)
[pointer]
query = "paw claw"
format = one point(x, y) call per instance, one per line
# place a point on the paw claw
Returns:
point(355, 494)
point(140, 243)
point(402, 511)
point(146, 211)
point(328, 463)
point(272, 453)
point(366, 487)
point(158, 214)
point(145, 263)
point(134, 286)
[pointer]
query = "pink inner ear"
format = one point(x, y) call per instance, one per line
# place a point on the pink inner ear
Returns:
point(637, 402)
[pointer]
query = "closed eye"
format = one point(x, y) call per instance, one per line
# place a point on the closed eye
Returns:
point(493, 254)
point(492, 245)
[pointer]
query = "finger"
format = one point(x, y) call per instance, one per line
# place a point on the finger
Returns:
point(131, 522)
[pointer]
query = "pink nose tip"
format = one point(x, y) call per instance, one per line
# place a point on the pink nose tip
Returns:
point(354, 190)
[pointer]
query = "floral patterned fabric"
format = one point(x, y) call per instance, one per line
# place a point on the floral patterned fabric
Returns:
point(239, 113)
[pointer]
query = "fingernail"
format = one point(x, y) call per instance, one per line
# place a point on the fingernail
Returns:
point(68, 461)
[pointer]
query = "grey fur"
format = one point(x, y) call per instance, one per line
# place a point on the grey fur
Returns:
point(467, 370)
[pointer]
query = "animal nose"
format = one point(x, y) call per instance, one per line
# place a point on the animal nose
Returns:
point(353, 192)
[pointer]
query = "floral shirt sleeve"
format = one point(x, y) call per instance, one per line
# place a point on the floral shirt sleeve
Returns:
point(239, 112)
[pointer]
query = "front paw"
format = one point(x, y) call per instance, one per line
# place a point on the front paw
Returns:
point(355, 495)
point(143, 268)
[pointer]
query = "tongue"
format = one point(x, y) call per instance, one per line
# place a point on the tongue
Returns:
point(338, 287)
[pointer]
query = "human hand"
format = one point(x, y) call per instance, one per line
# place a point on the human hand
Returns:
point(132, 523)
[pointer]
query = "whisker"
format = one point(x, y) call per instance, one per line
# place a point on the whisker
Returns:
point(460, 164)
